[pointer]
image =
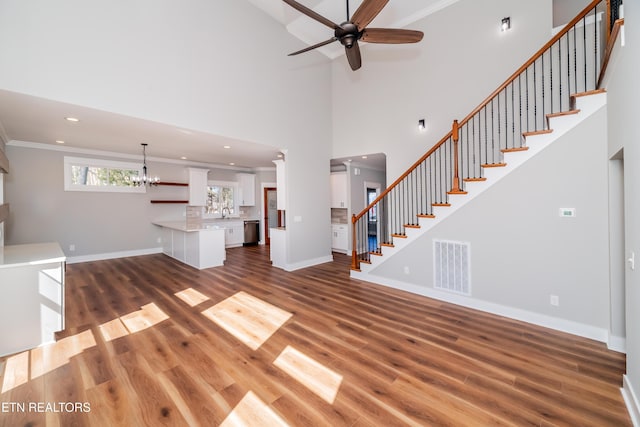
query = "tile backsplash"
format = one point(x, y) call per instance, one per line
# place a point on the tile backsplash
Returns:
point(339, 216)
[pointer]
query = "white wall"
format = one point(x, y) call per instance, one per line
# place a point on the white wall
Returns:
point(623, 97)
point(522, 251)
point(214, 66)
point(461, 60)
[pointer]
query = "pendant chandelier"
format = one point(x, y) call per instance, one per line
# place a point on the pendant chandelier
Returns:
point(145, 179)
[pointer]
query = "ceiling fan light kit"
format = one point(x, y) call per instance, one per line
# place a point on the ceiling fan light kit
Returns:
point(355, 29)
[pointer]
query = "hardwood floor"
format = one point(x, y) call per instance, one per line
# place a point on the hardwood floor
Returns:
point(151, 342)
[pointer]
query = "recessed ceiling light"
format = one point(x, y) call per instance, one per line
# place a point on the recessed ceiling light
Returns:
point(59, 141)
point(183, 158)
point(232, 164)
point(226, 146)
point(364, 157)
point(72, 119)
point(279, 156)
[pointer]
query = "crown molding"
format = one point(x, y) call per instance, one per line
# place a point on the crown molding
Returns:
point(136, 157)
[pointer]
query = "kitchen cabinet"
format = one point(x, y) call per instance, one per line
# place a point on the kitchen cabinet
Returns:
point(246, 189)
point(338, 190)
point(339, 237)
point(198, 186)
point(200, 246)
point(234, 233)
point(31, 295)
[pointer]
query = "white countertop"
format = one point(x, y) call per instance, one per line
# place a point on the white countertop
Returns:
point(189, 227)
point(31, 254)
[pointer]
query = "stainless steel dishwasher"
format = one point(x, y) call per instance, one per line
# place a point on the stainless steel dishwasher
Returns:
point(251, 232)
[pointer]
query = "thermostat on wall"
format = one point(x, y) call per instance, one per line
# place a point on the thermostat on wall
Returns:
point(567, 212)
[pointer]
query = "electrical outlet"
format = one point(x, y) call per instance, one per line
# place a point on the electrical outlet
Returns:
point(406, 270)
point(554, 300)
point(72, 247)
point(159, 240)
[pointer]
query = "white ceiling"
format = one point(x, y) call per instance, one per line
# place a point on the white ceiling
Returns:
point(32, 119)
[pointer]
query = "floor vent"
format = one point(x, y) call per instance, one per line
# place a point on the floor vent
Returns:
point(452, 266)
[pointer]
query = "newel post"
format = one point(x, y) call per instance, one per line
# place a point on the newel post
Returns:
point(456, 177)
point(354, 241)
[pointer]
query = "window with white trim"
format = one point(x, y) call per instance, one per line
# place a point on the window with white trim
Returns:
point(86, 174)
point(221, 195)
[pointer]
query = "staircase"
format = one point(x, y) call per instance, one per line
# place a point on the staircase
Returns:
point(585, 104)
point(550, 94)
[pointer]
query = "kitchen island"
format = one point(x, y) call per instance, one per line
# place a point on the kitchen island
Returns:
point(31, 295)
point(198, 244)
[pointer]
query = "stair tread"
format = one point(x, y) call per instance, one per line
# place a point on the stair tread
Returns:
point(589, 92)
point(514, 149)
point(562, 113)
point(426, 216)
point(494, 165)
point(537, 132)
point(475, 179)
point(411, 226)
point(441, 204)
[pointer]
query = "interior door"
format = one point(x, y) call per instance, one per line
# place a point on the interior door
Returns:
point(270, 212)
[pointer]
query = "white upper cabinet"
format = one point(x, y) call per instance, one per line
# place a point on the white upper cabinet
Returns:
point(246, 189)
point(339, 190)
point(198, 186)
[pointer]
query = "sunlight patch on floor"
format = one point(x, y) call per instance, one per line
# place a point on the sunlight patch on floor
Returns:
point(249, 319)
point(49, 357)
point(252, 412)
point(16, 371)
point(113, 329)
point(144, 318)
point(312, 374)
point(191, 297)
point(22, 367)
point(31, 364)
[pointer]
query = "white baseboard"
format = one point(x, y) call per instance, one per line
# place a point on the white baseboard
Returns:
point(112, 255)
point(616, 343)
point(631, 400)
point(562, 325)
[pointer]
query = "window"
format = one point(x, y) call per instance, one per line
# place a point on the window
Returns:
point(85, 174)
point(220, 195)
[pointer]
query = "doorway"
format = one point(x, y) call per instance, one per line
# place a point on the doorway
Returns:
point(617, 251)
point(270, 210)
point(372, 191)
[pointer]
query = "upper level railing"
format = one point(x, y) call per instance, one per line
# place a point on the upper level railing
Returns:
point(569, 63)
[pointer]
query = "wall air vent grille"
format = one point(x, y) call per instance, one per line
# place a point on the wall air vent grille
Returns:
point(452, 266)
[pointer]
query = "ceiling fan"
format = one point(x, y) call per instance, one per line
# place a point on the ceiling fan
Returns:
point(348, 33)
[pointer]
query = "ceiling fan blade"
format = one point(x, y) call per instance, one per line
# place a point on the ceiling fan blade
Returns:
point(311, 14)
point(391, 35)
point(368, 10)
point(353, 56)
point(307, 49)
